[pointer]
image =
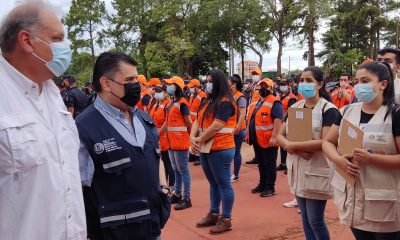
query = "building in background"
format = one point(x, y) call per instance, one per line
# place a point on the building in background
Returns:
point(248, 67)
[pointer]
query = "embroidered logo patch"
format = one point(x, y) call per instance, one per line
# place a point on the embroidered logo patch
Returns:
point(98, 148)
point(107, 145)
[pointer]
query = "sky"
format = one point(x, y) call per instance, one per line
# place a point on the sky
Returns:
point(292, 48)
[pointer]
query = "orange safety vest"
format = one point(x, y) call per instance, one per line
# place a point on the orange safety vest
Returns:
point(143, 93)
point(159, 114)
point(285, 101)
point(236, 96)
point(342, 101)
point(177, 131)
point(263, 121)
point(224, 139)
point(194, 104)
point(255, 97)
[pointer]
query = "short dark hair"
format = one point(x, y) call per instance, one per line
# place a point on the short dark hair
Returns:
point(107, 64)
point(346, 75)
point(235, 79)
point(391, 50)
point(70, 78)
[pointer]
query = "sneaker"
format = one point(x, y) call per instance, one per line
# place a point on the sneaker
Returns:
point(210, 220)
point(197, 163)
point(257, 189)
point(183, 204)
point(268, 193)
point(281, 167)
point(252, 161)
point(234, 178)
point(291, 204)
point(223, 225)
point(175, 198)
point(285, 172)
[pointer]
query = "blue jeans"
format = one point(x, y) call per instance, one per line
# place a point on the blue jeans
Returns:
point(365, 235)
point(180, 164)
point(217, 168)
point(312, 214)
point(237, 159)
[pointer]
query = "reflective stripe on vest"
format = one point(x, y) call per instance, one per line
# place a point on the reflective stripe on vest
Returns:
point(116, 163)
point(176, 129)
point(125, 216)
point(193, 113)
point(264, 128)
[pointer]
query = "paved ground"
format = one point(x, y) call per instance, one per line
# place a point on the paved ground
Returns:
point(253, 217)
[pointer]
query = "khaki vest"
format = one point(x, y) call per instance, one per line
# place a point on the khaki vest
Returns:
point(311, 178)
point(373, 203)
point(397, 91)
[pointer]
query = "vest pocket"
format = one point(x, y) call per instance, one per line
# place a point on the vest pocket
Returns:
point(317, 179)
point(380, 205)
point(116, 166)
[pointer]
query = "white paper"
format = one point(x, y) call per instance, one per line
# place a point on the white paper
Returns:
point(352, 133)
point(299, 115)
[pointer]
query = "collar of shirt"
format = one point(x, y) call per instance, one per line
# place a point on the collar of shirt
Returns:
point(110, 109)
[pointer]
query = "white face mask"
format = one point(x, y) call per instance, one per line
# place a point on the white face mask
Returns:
point(209, 87)
point(191, 90)
point(283, 88)
point(159, 96)
point(256, 78)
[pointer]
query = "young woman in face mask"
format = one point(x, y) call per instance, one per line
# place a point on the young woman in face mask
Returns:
point(309, 171)
point(370, 207)
point(240, 131)
point(159, 114)
point(264, 123)
point(216, 121)
point(178, 126)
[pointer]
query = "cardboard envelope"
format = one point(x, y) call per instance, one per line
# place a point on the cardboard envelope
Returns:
point(299, 124)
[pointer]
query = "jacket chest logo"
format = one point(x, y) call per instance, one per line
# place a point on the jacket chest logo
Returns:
point(107, 145)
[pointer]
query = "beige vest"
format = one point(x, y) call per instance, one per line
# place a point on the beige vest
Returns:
point(311, 178)
point(373, 203)
point(397, 91)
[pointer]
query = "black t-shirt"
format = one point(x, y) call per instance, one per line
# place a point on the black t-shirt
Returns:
point(146, 100)
point(365, 118)
point(77, 99)
point(328, 117)
point(225, 111)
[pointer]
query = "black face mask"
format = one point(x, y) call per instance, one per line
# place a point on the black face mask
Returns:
point(132, 93)
point(264, 92)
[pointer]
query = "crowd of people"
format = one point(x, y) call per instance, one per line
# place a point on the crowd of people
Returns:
point(108, 162)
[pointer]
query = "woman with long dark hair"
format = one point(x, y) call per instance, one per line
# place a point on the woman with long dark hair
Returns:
point(370, 207)
point(214, 126)
point(309, 171)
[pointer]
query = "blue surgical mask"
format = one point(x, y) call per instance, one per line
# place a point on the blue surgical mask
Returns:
point(365, 92)
point(307, 90)
point(171, 89)
point(209, 87)
point(62, 55)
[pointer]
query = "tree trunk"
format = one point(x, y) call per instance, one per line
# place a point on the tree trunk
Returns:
point(311, 50)
point(242, 57)
point(91, 40)
point(280, 49)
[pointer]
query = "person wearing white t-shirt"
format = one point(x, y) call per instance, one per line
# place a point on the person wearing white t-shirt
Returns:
point(392, 56)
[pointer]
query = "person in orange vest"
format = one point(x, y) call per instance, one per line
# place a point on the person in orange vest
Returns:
point(240, 130)
point(216, 122)
point(254, 98)
point(344, 94)
point(145, 96)
point(159, 115)
point(151, 84)
point(288, 99)
point(264, 123)
point(178, 126)
point(196, 96)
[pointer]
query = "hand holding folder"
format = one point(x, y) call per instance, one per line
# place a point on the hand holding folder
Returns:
point(205, 147)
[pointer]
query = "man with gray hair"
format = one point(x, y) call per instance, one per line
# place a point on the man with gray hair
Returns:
point(40, 190)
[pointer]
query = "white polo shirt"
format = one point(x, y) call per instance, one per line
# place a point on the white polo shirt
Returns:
point(40, 189)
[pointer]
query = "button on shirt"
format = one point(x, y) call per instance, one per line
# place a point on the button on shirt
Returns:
point(134, 133)
point(40, 192)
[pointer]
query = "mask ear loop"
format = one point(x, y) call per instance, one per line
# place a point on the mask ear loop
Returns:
point(34, 54)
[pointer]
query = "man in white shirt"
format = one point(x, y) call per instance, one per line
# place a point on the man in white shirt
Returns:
point(392, 56)
point(40, 190)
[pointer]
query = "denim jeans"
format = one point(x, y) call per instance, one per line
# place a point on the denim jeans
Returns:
point(266, 166)
point(169, 172)
point(180, 164)
point(237, 159)
point(312, 214)
point(217, 168)
point(365, 235)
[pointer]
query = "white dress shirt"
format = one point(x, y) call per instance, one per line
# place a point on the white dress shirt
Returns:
point(40, 190)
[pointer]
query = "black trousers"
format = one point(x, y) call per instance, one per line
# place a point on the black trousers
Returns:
point(266, 165)
point(365, 235)
point(283, 156)
point(169, 172)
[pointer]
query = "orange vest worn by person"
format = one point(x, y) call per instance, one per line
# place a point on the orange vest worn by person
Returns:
point(159, 114)
point(342, 101)
point(255, 97)
point(224, 139)
point(194, 104)
point(285, 101)
point(177, 130)
point(143, 93)
point(263, 121)
point(236, 96)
